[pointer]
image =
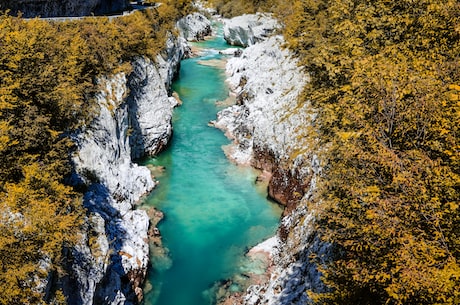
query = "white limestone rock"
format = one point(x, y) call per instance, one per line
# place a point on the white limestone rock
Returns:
point(104, 153)
point(150, 105)
point(135, 249)
point(168, 61)
point(268, 246)
point(269, 117)
point(267, 82)
point(293, 272)
point(89, 263)
point(150, 110)
point(103, 163)
point(133, 119)
point(194, 27)
point(203, 6)
point(249, 29)
point(231, 51)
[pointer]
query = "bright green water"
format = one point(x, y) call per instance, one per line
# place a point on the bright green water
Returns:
point(214, 211)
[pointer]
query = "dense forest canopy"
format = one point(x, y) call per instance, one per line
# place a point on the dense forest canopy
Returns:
point(385, 80)
point(48, 78)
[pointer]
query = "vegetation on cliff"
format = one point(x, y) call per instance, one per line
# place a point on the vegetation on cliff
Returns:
point(232, 8)
point(48, 78)
point(385, 82)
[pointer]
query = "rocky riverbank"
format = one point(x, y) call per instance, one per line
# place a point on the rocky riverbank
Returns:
point(270, 131)
point(134, 119)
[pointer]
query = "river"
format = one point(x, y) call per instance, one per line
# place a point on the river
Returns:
point(214, 210)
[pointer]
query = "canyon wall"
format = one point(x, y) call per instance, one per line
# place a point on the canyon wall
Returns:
point(133, 120)
point(273, 131)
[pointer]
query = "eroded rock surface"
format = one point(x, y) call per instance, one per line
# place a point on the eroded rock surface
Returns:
point(102, 266)
point(249, 29)
point(272, 129)
point(133, 119)
point(194, 27)
point(150, 110)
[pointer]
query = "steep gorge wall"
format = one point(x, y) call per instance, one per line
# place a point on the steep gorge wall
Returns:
point(272, 131)
point(63, 8)
point(116, 245)
point(267, 124)
point(134, 119)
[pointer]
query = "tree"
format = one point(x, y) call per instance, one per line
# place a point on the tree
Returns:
point(48, 81)
point(39, 217)
point(384, 82)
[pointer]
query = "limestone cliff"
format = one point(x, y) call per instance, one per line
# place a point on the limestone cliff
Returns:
point(113, 256)
point(270, 131)
point(247, 30)
point(63, 8)
point(267, 124)
point(194, 27)
point(150, 109)
point(133, 119)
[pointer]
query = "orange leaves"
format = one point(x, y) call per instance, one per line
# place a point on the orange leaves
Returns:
point(47, 73)
point(424, 278)
point(454, 95)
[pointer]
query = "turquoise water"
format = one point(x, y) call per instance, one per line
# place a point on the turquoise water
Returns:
point(213, 209)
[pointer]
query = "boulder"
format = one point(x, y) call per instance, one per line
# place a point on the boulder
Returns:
point(249, 29)
point(194, 27)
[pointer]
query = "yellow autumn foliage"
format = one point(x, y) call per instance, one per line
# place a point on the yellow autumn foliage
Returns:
point(385, 81)
point(48, 72)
